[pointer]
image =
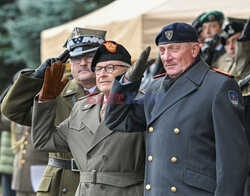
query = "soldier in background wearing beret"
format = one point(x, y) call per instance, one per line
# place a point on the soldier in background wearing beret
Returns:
point(60, 178)
point(110, 163)
point(230, 33)
point(211, 29)
point(193, 117)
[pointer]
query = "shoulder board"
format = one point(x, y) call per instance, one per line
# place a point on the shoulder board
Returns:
point(160, 75)
point(224, 73)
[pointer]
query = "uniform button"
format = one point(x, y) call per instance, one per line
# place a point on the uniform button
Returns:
point(174, 159)
point(26, 133)
point(151, 129)
point(148, 187)
point(86, 186)
point(22, 161)
point(102, 187)
point(89, 156)
point(25, 142)
point(24, 151)
point(150, 158)
point(104, 157)
point(173, 189)
point(64, 190)
point(176, 131)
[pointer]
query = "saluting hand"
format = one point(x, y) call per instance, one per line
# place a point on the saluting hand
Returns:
point(135, 73)
point(53, 83)
point(40, 71)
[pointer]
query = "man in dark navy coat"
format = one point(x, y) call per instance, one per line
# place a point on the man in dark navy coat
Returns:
point(193, 116)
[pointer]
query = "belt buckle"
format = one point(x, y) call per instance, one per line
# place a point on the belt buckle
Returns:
point(93, 176)
point(74, 167)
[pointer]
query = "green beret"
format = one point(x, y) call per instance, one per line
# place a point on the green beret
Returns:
point(212, 16)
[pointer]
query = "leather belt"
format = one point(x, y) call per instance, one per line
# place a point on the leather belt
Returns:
point(111, 178)
point(63, 163)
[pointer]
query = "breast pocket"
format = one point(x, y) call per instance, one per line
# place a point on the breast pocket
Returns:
point(76, 124)
point(198, 180)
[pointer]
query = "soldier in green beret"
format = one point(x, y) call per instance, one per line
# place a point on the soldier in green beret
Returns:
point(211, 29)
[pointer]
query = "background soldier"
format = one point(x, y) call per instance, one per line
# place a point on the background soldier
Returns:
point(58, 178)
point(230, 33)
point(211, 29)
point(26, 158)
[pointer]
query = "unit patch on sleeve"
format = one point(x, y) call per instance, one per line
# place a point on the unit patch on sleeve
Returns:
point(233, 96)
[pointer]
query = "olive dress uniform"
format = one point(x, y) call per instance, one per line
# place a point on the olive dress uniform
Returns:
point(110, 163)
point(25, 156)
point(196, 144)
point(58, 178)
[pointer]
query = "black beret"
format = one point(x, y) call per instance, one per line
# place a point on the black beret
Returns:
point(229, 30)
point(176, 33)
point(110, 50)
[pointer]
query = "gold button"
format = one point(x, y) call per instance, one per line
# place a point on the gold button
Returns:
point(173, 189)
point(26, 133)
point(22, 161)
point(174, 159)
point(148, 187)
point(24, 151)
point(151, 129)
point(150, 158)
point(176, 131)
point(26, 142)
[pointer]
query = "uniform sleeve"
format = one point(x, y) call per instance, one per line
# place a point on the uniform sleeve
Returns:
point(232, 151)
point(124, 112)
point(4, 123)
point(45, 136)
point(18, 102)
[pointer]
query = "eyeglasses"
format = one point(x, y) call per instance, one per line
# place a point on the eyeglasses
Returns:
point(108, 68)
point(78, 59)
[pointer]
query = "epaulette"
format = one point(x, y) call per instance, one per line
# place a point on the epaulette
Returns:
point(89, 95)
point(224, 73)
point(160, 75)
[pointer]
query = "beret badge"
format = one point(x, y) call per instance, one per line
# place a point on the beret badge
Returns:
point(111, 47)
point(169, 34)
point(211, 17)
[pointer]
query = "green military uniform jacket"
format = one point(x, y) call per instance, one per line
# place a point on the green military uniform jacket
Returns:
point(17, 107)
point(240, 66)
point(111, 163)
point(25, 157)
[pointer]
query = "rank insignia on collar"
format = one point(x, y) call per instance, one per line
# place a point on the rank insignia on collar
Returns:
point(169, 34)
point(233, 96)
point(111, 47)
point(69, 91)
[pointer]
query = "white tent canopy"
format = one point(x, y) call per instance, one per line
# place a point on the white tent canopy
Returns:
point(135, 23)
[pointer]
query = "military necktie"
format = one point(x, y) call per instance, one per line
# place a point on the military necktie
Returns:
point(102, 111)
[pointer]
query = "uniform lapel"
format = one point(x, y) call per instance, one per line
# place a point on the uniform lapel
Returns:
point(183, 86)
point(92, 108)
point(102, 132)
point(71, 93)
